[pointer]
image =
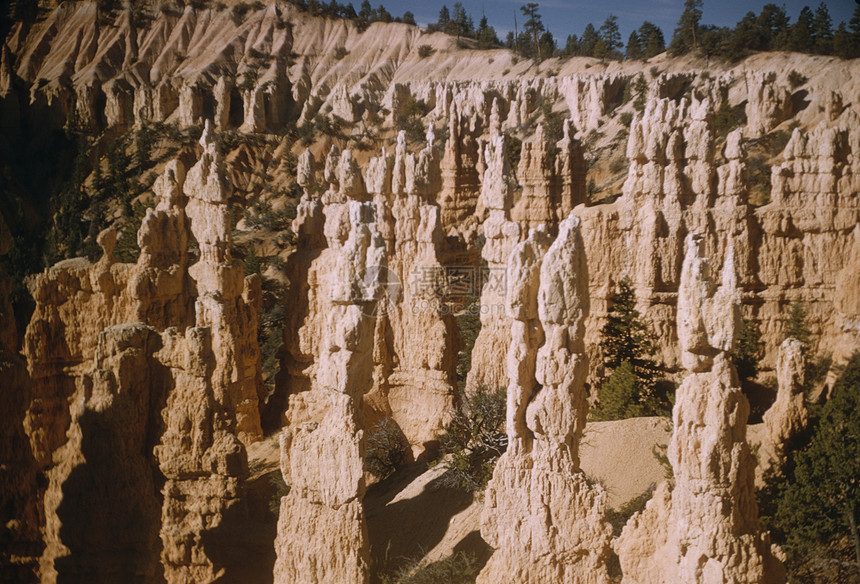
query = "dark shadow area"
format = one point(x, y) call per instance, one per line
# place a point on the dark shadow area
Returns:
point(110, 512)
point(237, 109)
point(209, 105)
point(608, 200)
point(799, 101)
point(20, 489)
point(760, 396)
point(288, 380)
point(409, 528)
point(243, 544)
point(475, 545)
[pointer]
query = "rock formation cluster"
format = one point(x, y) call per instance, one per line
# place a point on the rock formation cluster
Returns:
point(412, 376)
point(705, 527)
point(322, 449)
point(150, 372)
point(147, 364)
point(544, 520)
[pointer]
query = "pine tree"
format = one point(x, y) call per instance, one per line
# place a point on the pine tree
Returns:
point(845, 46)
point(822, 30)
point(382, 15)
point(588, 41)
point(610, 37)
point(625, 335)
point(619, 396)
point(571, 47)
point(800, 35)
point(651, 40)
point(747, 351)
point(631, 388)
point(818, 508)
point(640, 89)
point(634, 48)
point(533, 26)
point(686, 36)
point(795, 325)
point(854, 23)
point(772, 24)
point(459, 24)
point(365, 15)
point(547, 46)
point(486, 35)
point(366, 10)
point(444, 16)
point(746, 37)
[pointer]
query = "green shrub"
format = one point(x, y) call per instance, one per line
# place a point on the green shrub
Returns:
point(661, 455)
point(127, 249)
point(239, 12)
point(747, 350)
point(513, 149)
point(410, 120)
point(330, 126)
point(640, 89)
point(469, 324)
point(619, 395)
point(795, 325)
point(261, 217)
point(626, 119)
point(815, 508)
point(386, 448)
point(618, 165)
point(270, 331)
point(280, 489)
point(474, 439)
point(252, 264)
point(340, 53)
point(425, 51)
point(631, 389)
point(728, 118)
point(459, 568)
point(796, 79)
point(759, 172)
point(619, 517)
point(777, 142)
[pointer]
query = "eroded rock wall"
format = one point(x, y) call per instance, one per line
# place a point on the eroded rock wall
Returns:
point(322, 533)
point(413, 376)
point(704, 527)
point(544, 520)
point(20, 505)
point(675, 187)
point(112, 401)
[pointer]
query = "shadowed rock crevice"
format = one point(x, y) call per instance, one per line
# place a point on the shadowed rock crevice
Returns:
point(404, 525)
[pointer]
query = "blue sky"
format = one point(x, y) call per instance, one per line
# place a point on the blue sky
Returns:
point(564, 17)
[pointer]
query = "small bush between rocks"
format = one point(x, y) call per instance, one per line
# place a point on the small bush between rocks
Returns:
point(796, 79)
point(459, 568)
point(386, 448)
point(472, 442)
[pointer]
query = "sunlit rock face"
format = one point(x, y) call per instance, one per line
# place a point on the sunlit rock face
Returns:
point(137, 386)
point(705, 527)
point(544, 520)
